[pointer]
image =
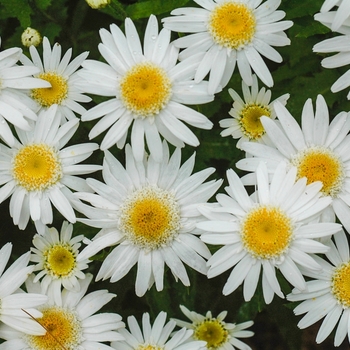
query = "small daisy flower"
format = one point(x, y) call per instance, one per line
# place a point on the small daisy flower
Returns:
point(319, 149)
point(218, 334)
point(58, 260)
point(31, 36)
point(230, 32)
point(37, 170)
point(339, 16)
point(12, 302)
point(245, 123)
point(149, 90)
point(156, 337)
point(71, 323)
point(327, 295)
point(66, 90)
point(273, 229)
point(149, 210)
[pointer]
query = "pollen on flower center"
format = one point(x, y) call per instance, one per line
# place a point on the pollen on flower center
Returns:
point(60, 260)
point(341, 284)
point(63, 330)
point(145, 89)
point(150, 217)
point(149, 347)
point(36, 167)
point(212, 331)
point(266, 232)
point(250, 120)
point(56, 94)
point(321, 164)
point(232, 25)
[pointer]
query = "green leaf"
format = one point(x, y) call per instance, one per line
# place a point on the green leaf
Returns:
point(19, 9)
point(43, 4)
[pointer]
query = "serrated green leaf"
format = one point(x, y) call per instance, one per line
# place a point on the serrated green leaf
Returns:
point(19, 9)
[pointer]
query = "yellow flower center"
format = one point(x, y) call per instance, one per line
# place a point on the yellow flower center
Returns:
point(232, 25)
point(145, 89)
point(213, 332)
point(321, 164)
point(56, 94)
point(341, 284)
point(36, 167)
point(60, 260)
point(250, 120)
point(149, 347)
point(150, 217)
point(266, 232)
point(63, 330)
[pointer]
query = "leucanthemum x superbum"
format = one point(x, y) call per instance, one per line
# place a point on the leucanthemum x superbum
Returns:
point(38, 171)
point(320, 150)
point(337, 17)
point(327, 293)
point(156, 337)
point(218, 334)
point(70, 322)
point(245, 123)
point(149, 90)
point(272, 230)
point(231, 32)
point(58, 260)
point(149, 210)
point(66, 90)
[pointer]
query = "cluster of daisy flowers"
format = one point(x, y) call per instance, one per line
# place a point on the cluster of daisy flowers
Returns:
point(282, 222)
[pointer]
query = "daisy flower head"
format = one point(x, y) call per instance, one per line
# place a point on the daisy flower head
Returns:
point(156, 336)
point(272, 230)
point(71, 323)
point(327, 293)
point(230, 32)
point(66, 90)
point(39, 171)
point(149, 90)
point(16, 107)
point(149, 211)
point(337, 17)
point(218, 334)
point(318, 149)
point(245, 123)
point(58, 260)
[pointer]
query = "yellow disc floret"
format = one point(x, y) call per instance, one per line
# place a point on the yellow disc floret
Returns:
point(60, 260)
point(145, 89)
point(150, 217)
point(232, 24)
point(56, 94)
point(212, 331)
point(36, 167)
point(266, 232)
point(341, 284)
point(250, 120)
point(63, 330)
point(149, 347)
point(321, 164)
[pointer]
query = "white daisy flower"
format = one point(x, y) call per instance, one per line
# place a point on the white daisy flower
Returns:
point(11, 300)
point(15, 106)
point(320, 150)
point(245, 123)
point(149, 90)
point(327, 294)
point(71, 323)
point(58, 260)
point(340, 15)
point(273, 229)
point(218, 334)
point(37, 171)
point(66, 90)
point(149, 210)
point(156, 337)
point(230, 32)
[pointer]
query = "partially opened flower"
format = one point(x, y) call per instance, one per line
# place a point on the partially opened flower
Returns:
point(339, 16)
point(65, 90)
point(218, 334)
point(156, 337)
point(230, 32)
point(273, 229)
point(149, 90)
point(38, 171)
point(149, 211)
